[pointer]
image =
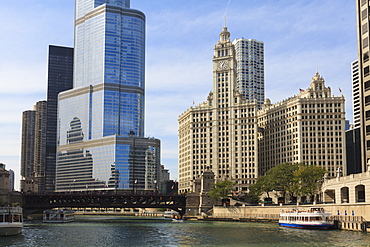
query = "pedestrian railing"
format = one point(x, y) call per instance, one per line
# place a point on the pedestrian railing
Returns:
point(247, 216)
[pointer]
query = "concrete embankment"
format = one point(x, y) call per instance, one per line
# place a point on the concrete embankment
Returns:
point(347, 217)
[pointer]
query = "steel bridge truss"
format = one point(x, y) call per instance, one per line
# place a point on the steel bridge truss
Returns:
point(175, 202)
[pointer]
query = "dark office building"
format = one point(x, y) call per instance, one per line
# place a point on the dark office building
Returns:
point(353, 149)
point(60, 78)
point(28, 144)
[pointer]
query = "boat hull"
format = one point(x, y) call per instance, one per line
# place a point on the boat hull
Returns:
point(10, 229)
point(307, 226)
point(58, 216)
point(58, 221)
point(177, 220)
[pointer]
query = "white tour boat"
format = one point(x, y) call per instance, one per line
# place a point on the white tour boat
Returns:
point(177, 220)
point(170, 214)
point(314, 218)
point(58, 216)
point(11, 221)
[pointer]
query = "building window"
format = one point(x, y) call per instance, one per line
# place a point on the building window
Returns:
point(367, 101)
point(366, 71)
point(364, 14)
point(366, 56)
point(364, 28)
point(367, 85)
point(365, 42)
point(368, 130)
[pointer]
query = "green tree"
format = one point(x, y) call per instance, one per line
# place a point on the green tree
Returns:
point(281, 177)
point(308, 180)
point(263, 184)
point(221, 189)
point(278, 178)
point(293, 179)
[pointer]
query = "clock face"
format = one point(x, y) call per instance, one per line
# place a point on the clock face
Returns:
point(222, 65)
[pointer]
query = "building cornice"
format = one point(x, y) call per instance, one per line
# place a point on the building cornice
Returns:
point(95, 88)
point(112, 9)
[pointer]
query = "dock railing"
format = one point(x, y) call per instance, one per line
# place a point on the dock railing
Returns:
point(247, 216)
point(351, 222)
point(349, 218)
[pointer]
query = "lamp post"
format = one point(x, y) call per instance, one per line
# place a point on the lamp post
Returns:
point(95, 182)
point(114, 173)
point(70, 186)
point(155, 186)
point(134, 180)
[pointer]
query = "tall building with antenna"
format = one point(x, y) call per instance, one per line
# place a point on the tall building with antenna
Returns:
point(101, 143)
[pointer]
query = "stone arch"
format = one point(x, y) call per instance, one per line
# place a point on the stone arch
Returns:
point(344, 195)
point(360, 193)
point(329, 196)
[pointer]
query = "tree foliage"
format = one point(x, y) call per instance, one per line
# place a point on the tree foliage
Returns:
point(294, 179)
point(281, 177)
point(308, 180)
point(221, 189)
point(263, 184)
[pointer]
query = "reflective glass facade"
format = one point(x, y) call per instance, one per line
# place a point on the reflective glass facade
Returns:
point(85, 6)
point(101, 142)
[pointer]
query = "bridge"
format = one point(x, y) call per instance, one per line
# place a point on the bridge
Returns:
point(37, 202)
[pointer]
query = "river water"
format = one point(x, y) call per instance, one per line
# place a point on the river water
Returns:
point(109, 231)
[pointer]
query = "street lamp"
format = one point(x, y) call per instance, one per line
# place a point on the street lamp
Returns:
point(114, 174)
point(74, 180)
point(135, 182)
point(132, 135)
point(70, 186)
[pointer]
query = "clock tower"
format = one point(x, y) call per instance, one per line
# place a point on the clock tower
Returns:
point(224, 69)
point(220, 134)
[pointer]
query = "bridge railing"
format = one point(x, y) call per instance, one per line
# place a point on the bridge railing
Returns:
point(48, 201)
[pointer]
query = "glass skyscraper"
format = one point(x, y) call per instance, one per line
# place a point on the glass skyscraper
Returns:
point(101, 143)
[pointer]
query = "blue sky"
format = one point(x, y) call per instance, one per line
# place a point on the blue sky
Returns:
point(299, 37)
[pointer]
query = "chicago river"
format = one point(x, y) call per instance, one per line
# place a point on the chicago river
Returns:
point(139, 231)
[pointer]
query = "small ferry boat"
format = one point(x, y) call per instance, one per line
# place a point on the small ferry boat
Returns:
point(58, 216)
point(177, 220)
point(314, 218)
point(170, 214)
point(11, 221)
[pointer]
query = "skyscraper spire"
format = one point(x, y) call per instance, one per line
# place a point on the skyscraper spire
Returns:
point(224, 35)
